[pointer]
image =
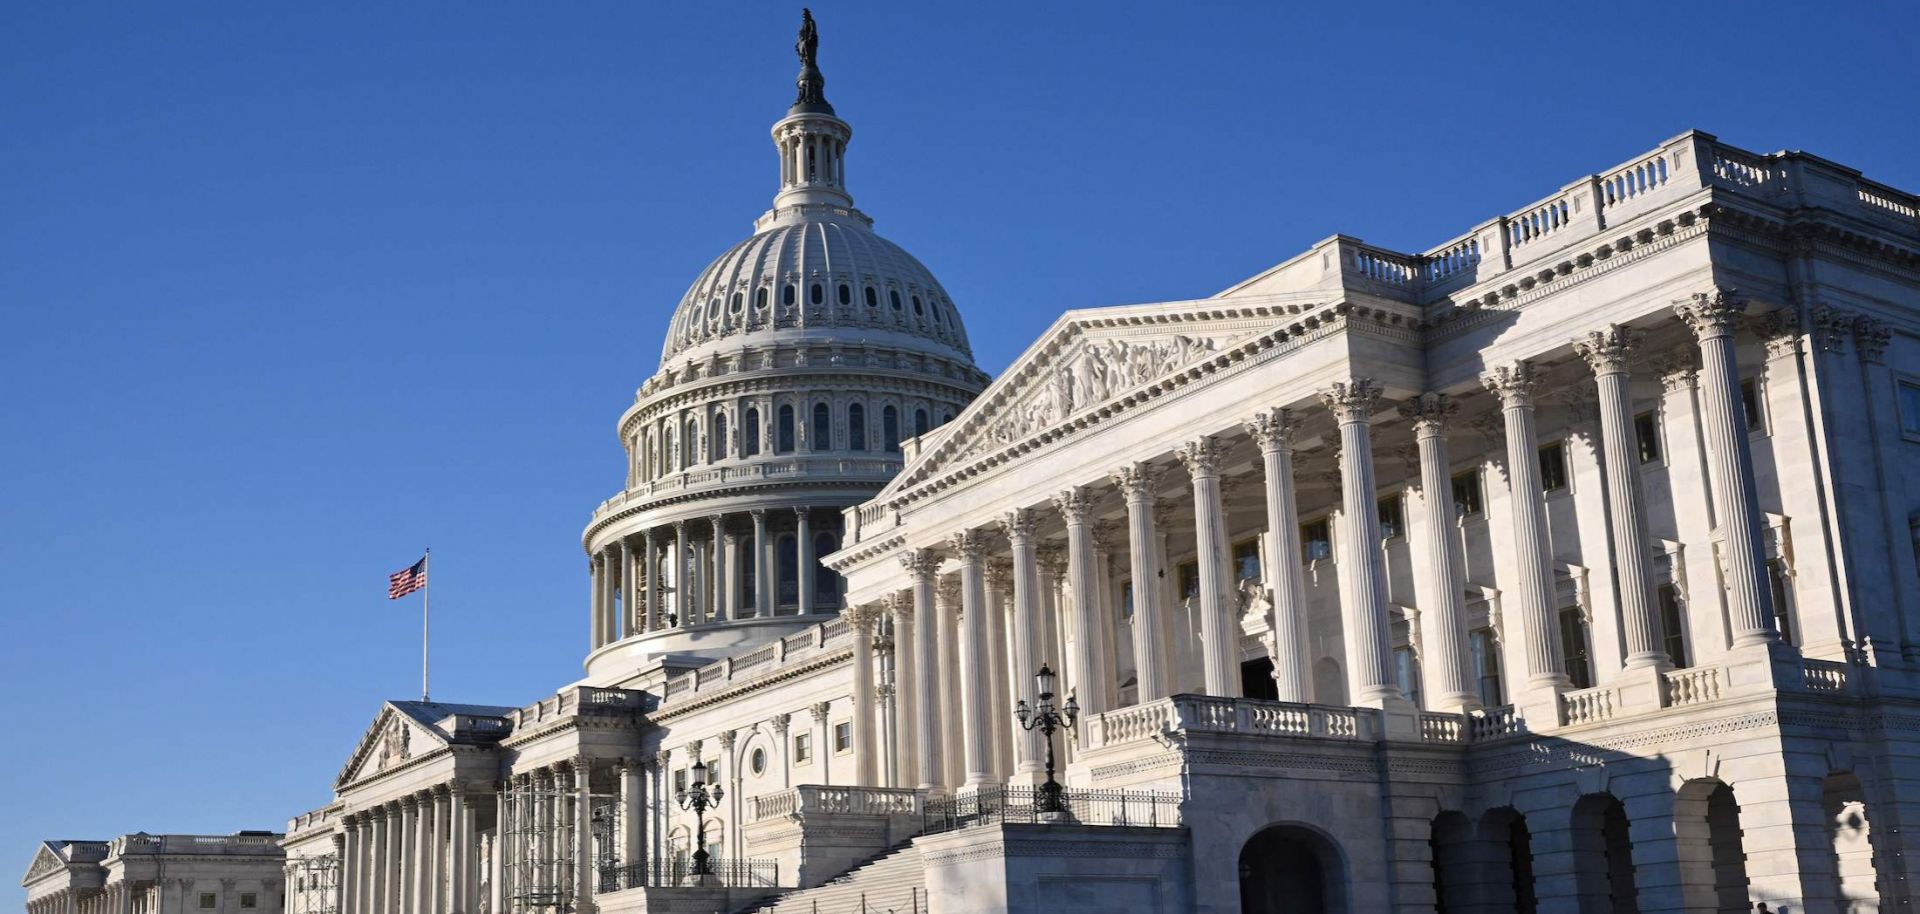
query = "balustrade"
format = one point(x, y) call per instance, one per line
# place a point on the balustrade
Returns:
point(1588, 706)
point(1694, 686)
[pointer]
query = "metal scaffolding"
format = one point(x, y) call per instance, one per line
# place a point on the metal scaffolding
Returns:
point(539, 836)
point(313, 885)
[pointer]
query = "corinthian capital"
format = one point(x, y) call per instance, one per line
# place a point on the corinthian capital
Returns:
point(1352, 402)
point(1202, 456)
point(900, 607)
point(968, 545)
point(920, 563)
point(1711, 314)
point(1871, 335)
point(1831, 328)
point(1136, 481)
point(1272, 429)
point(1074, 504)
point(1429, 412)
point(1513, 384)
point(1607, 351)
point(1018, 525)
point(862, 618)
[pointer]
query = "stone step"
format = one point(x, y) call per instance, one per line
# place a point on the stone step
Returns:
point(893, 882)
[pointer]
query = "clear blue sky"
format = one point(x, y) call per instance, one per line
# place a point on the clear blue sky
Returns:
point(292, 290)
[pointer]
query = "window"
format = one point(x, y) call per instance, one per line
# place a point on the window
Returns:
point(802, 748)
point(917, 307)
point(1553, 467)
point(826, 581)
point(873, 298)
point(946, 418)
point(1486, 666)
point(1126, 600)
point(737, 302)
point(1908, 393)
point(760, 298)
point(856, 427)
point(817, 294)
point(783, 431)
point(249, 900)
point(846, 294)
point(757, 762)
point(1189, 581)
point(920, 422)
point(1573, 648)
point(208, 901)
point(1750, 404)
point(1780, 583)
point(1246, 561)
point(786, 294)
point(1646, 433)
point(890, 428)
point(1466, 495)
point(679, 780)
point(821, 434)
point(1316, 541)
point(1392, 525)
point(843, 738)
point(1673, 624)
point(893, 296)
point(750, 438)
point(1406, 674)
point(719, 436)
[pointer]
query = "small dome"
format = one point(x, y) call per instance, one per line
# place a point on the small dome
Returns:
point(818, 273)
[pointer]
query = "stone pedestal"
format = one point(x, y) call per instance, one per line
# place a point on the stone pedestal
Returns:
point(1058, 869)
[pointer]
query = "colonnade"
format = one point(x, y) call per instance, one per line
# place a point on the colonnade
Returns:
point(694, 572)
point(416, 854)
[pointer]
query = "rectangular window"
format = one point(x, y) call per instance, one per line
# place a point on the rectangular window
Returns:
point(1189, 581)
point(1392, 525)
point(1573, 648)
point(1553, 467)
point(208, 902)
point(1673, 624)
point(802, 748)
point(1466, 494)
point(679, 780)
point(249, 900)
point(1406, 674)
point(1646, 433)
point(1908, 393)
point(1486, 666)
point(1126, 600)
point(1316, 540)
point(1750, 404)
point(1246, 561)
point(1778, 580)
point(843, 737)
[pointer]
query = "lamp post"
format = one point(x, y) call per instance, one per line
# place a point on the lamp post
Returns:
point(1044, 717)
point(699, 797)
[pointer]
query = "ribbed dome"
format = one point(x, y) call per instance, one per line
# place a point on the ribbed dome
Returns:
point(812, 274)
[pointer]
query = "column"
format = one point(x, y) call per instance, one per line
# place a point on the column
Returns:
point(611, 582)
point(1220, 633)
point(999, 698)
point(632, 813)
point(717, 609)
point(653, 583)
point(1024, 658)
point(1438, 586)
point(377, 865)
point(596, 578)
point(731, 591)
point(921, 565)
point(350, 866)
point(1273, 431)
point(953, 740)
point(861, 620)
point(762, 568)
point(1606, 352)
point(628, 624)
point(1711, 316)
point(423, 839)
point(803, 561)
point(583, 835)
point(1149, 650)
point(970, 548)
point(682, 583)
point(407, 885)
point(1533, 584)
point(906, 689)
point(1086, 667)
point(459, 847)
point(1363, 586)
point(443, 848)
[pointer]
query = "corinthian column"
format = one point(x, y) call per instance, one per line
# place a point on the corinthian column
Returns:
point(921, 566)
point(716, 606)
point(970, 548)
point(1514, 385)
point(1438, 585)
point(1711, 316)
point(1363, 586)
point(1025, 658)
point(1149, 648)
point(629, 593)
point(1286, 586)
point(682, 576)
point(1607, 352)
point(861, 620)
point(653, 585)
point(804, 561)
point(596, 608)
point(906, 685)
point(1219, 631)
point(762, 566)
point(1086, 667)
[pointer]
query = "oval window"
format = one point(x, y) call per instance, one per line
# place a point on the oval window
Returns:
point(893, 295)
point(816, 294)
point(737, 302)
point(873, 299)
point(786, 294)
point(760, 298)
point(758, 761)
point(846, 294)
point(917, 309)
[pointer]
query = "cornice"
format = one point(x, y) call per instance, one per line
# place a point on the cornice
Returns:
point(599, 524)
point(671, 712)
point(793, 381)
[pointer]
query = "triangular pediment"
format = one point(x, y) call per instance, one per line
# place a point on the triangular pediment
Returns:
point(1090, 359)
point(45, 860)
point(393, 738)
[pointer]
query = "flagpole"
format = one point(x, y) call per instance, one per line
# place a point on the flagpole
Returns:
point(426, 617)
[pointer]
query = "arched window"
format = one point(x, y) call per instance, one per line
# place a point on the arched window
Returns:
point(846, 294)
point(667, 453)
point(893, 295)
point(783, 431)
point(890, 428)
point(919, 422)
point(787, 588)
point(719, 436)
point(786, 294)
point(820, 434)
point(856, 427)
point(826, 583)
point(917, 307)
point(818, 294)
point(873, 298)
point(690, 443)
point(946, 418)
point(750, 435)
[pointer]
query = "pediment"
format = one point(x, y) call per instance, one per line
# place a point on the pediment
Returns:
point(1088, 360)
point(45, 860)
point(393, 738)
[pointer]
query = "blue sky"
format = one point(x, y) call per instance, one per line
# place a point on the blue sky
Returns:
point(288, 292)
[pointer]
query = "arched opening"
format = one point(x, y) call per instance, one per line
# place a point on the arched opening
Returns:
point(719, 436)
point(690, 443)
point(1504, 853)
point(746, 570)
point(826, 582)
point(1289, 869)
point(820, 434)
point(856, 427)
point(750, 435)
point(667, 453)
point(920, 426)
point(1852, 840)
point(788, 566)
point(783, 430)
point(1603, 856)
point(890, 428)
point(1452, 844)
point(1713, 859)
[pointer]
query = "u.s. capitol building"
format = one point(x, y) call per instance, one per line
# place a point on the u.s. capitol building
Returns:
point(1569, 565)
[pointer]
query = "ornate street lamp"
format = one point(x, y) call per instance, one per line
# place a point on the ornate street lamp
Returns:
point(699, 797)
point(1044, 717)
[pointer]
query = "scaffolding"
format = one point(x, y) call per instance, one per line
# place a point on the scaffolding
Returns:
point(538, 835)
point(313, 885)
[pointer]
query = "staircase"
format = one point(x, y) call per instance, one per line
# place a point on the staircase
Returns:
point(893, 883)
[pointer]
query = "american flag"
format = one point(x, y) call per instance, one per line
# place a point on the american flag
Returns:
point(407, 580)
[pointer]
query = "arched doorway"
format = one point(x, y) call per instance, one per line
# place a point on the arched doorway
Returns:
point(1603, 856)
point(1289, 869)
point(1706, 826)
point(1845, 805)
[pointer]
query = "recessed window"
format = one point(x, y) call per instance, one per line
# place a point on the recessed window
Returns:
point(1486, 666)
point(1406, 674)
point(873, 298)
point(822, 429)
point(846, 294)
point(1908, 393)
point(1316, 541)
point(783, 430)
point(1673, 623)
point(786, 294)
point(737, 302)
point(856, 427)
point(1646, 435)
point(917, 308)
point(1466, 495)
point(757, 762)
point(249, 900)
point(1392, 525)
point(1573, 648)
point(1189, 574)
point(920, 422)
point(679, 780)
point(817, 294)
point(890, 428)
point(843, 737)
point(1750, 404)
point(208, 901)
point(1246, 561)
point(893, 295)
point(760, 298)
point(802, 748)
point(1553, 467)
point(750, 434)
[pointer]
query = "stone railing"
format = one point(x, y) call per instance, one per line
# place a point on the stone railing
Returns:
point(307, 821)
point(1206, 714)
point(829, 635)
point(754, 470)
point(1693, 686)
point(264, 844)
point(1494, 723)
point(1588, 706)
point(815, 799)
point(1823, 675)
point(570, 701)
point(1441, 727)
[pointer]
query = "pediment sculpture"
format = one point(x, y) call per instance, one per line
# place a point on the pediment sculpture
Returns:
point(395, 745)
point(1089, 375)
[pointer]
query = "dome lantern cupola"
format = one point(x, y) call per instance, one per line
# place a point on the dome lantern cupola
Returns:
point(812, 141)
